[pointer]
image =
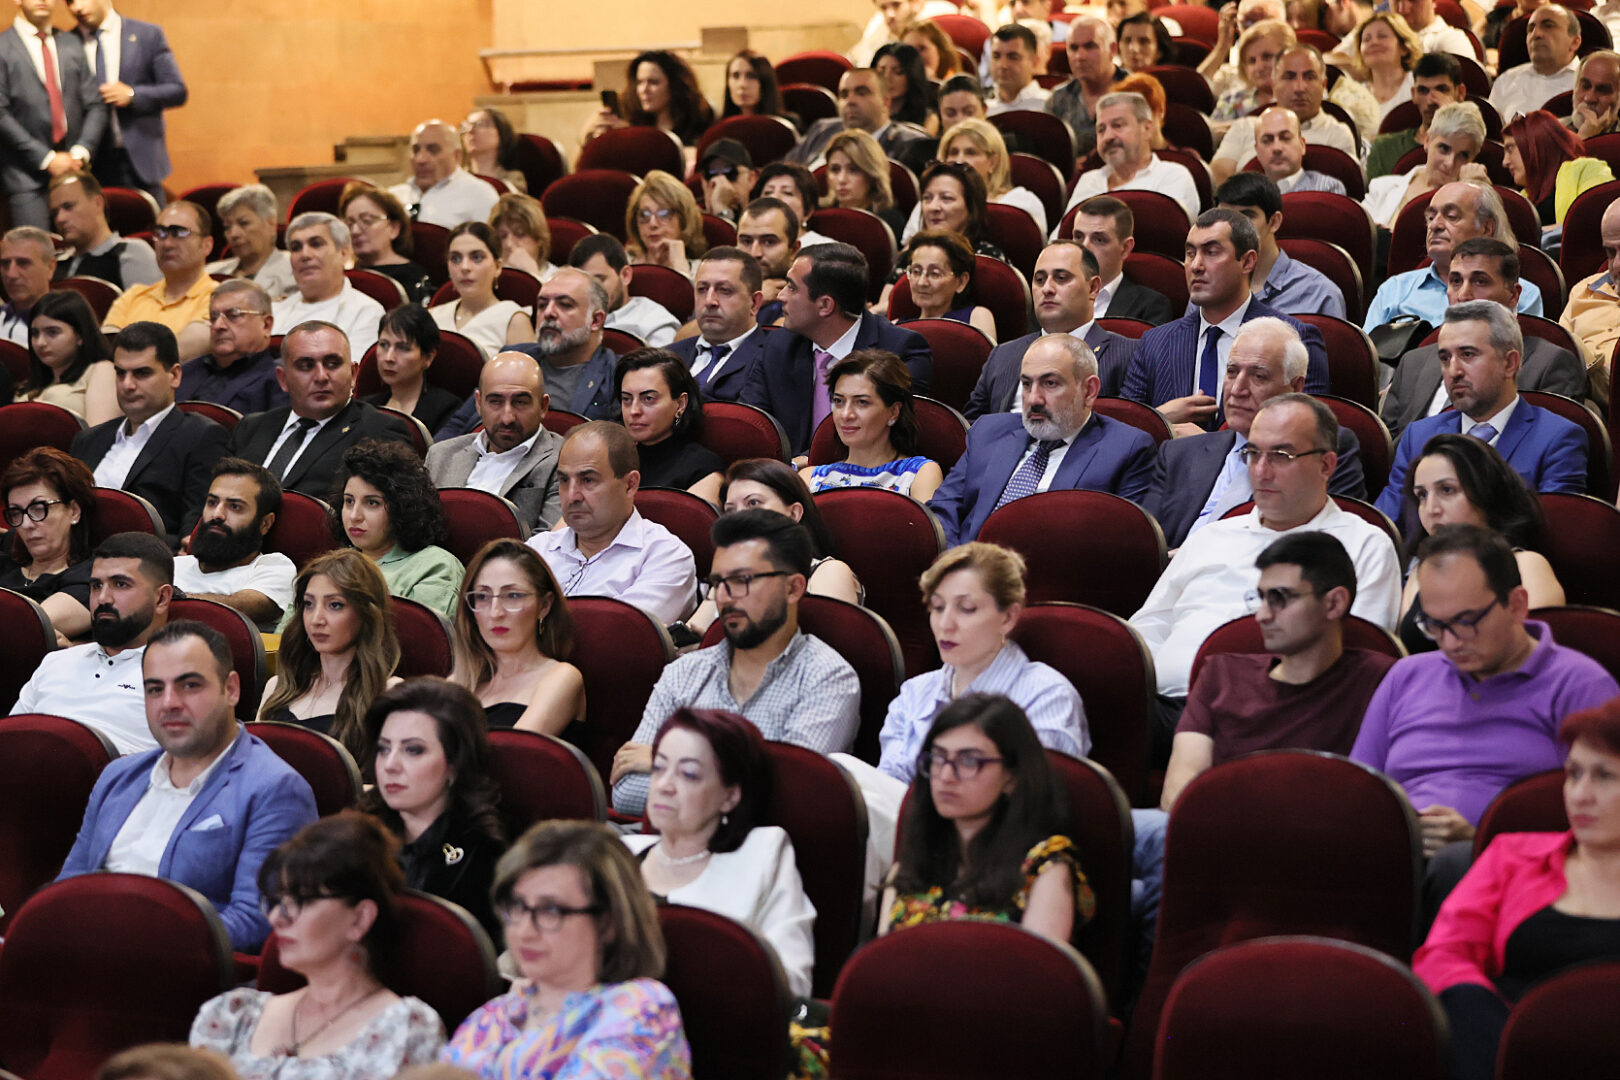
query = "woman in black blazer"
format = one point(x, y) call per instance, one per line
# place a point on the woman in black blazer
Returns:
point(407, 342)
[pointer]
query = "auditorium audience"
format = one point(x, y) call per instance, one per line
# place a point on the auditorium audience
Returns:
point(1280, 149)
point(727, 174)
point(889, 21)
point(607, 262)
point(751, 88)
point(1550, 164)
point(1596, 100)
point(69, 363)
point(478, 314)
point(520, 224)
point(407, 344)
point(27, 264)
point(1552, 37)
point(1144, 43)
point(874, 427)
point(584, 932)
point(789, 684)
point(864, 106)
point(50, 503)
point(227, 561)
point(248, 215)
point(1014, 57)
point(1106, 227)
point(381, 238)
point(182, 238)
point(1436, 82)
point(440, 192)
point(727, 290)
point(338, 649)
point(239, 369)
point(79, 213)
point(1125, 130)
point(858, 178)
point(975, 596)
point(661, 91)
point(150, 812)
point(1278, 280)
point(795, 186)
point(1299, 81)
point(711, 783)
point(1593, 314)
point(662, 409)
point(1384, 50)
point(427, 750)
point(513, 639)
point(384, 504)
point(337, 883)
point(939, 272)
point(1456, 134)
point(960, 98)
point(318, 244)
point(663, 223)
point(982, 835)
point(605, 547)
point(905, 83)
point(977, 144)
point(489, 148)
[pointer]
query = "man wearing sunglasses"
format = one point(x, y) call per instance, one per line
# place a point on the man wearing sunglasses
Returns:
point(728, 173)
point(182, 238)
point(1456, 726)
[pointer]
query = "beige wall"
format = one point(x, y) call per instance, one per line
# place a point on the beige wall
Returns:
point(636, 24)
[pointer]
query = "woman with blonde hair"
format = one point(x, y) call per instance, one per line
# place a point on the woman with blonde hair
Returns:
point(664, 224)
point(977, 143)
point(858, 177)
point(520, 224)
point(1257, 53)
point(1385, 49)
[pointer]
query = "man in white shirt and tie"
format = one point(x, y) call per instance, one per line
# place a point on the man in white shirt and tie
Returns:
point(54, 116)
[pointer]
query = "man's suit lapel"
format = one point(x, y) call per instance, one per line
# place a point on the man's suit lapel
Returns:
point(1518, 429)
point(1003, 458)
point(154, 446)
point(322, 443)
point(1425, 382)
point(536, 453)
point(1183, 358)
point(208, 800)
point(1078, 458)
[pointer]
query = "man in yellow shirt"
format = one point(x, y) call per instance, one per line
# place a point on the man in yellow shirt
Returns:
point(182, 239)
point(1593, 312)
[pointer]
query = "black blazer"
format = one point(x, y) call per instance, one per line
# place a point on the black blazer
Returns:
point(433, 408)
point(733, 372)
point(465, 880)
point(997, 387)
point(173, 469)
point(1135, 301)
point(314, 469)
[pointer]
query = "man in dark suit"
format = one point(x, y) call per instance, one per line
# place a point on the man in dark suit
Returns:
point(1107, 228)
point(1066, 283)
point(729, 344)
point(1196, 480)
point(155, 450)
point(863, 104)
point(1483, 268)
point(51, 114)
point(1178, 367)
point(137, 76)
point(302, 444)
point(1480, 346)
point(1058, 444)
point(824, 319)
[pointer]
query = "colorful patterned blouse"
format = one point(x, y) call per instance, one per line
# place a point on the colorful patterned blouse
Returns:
point(896, 475)
point(628, 1029)
point(914, 909)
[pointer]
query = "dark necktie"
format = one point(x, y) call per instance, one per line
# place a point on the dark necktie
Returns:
point(53, 90)
point(289, 448)
point(1028, 477)
point(717, 356)
point(100, 39)
point(1209, 371)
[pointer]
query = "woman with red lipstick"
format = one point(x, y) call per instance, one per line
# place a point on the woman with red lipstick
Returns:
point(513, 638)
point(50, 503)
point(407, 343)
point(875, 421)
point(426, 749)
point(662, 408)
point(858, 178)
point(1535, 904)
point(474, 257)
point(385, 505)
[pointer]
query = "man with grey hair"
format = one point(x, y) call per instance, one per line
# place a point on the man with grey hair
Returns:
point(182, 238)
point(1480, 353)
point(1458, 212)
point(440, 191)
point(249, 215)
point(1196, 480)
point(1455, 137)
point(1125, 142)
point(318, 245)
point(1595, 103)
point(239, 369)
point(79, 212)
point(1093, 68)
point(1552, 36)
point(27, 262)
point(1299, 79)
point(1058, 443)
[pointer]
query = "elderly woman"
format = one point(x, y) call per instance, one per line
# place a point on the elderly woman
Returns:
point(380, 233)
point(249, 215)
point(1257, 54)
point(474, 259)
point(874, 419)
point(975, 596)
point(664, 224)
point(1455, 136)
point(939, 267)
point(332, 895)
point(489, 148)
point(858, 177)
point(662, 408)
point(660, 90)
point(385, 505)
point(68, 360)
point(711, 783)
point(1534, 904)
point(977, 144)
point(50, 505)
point(1385, 50)
point(520, 224)
point(583, 930)
point(407, 343)
point(1549, 162)
point(905, 82)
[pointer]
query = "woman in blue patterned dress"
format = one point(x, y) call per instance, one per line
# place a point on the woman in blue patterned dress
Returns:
point(874, 421)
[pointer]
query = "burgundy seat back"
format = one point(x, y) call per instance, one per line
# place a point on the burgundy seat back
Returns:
point(322, 196)
point(597, 197)
point(1038, 133)
point(621, 651)
point(302, 529)
point(26, 635)
point(561, 421)
point(733, 996)
point(542, 777)
point(1594, 631)
point(1043, 179)
point(1164, 275)
point(1563, 1027)
point(1187, 128)
point(621, 341)
point(76, 974)
point(864, 638)
point(1372, 436)
point(690, 517)
point(1185, 85)
point(809, 102)
point(321, 760)
point(1131, 328)
point(1012, 230)
point(15, 359)
point(123, 511)
point(1161, 222)
point(380, 287)
point(99, 294)
point(1582, 253)
point(1336, 265)
point(1352, 360)
point(1533, 804)
point(1142, 417)
point(671, 288)
point(1242, 635)
point(817, 67)
point(718, 232)
point(565, 233)
point(540, 161)
point(247, 646)
point(475, 518)
point(1103, 836)
point(130, 210)
point(48, 766)
point(431, 250)
point(638, 150)
point(965, 32)
point(1324, 215)
point(1599, 449)
point(959, 352)
point(735, 431)
point(1582, 535)
point(865, 230)
point(222, 415)
point(902, 1007)
point(424, 639)
point(1118, 534)
point(1245, 1011)
point(27, 424)
point(766, 138)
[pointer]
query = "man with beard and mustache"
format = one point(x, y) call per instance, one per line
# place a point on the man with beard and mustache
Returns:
point(1058, 443)
point(99, 683)
point(1125, 144)
point(790, 685)
point(227, 561)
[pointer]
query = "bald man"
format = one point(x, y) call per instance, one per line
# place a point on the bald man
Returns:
point(1553, 38)
point(1593, 312)
point(440, 191)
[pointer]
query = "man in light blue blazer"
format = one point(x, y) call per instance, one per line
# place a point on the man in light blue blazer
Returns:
point(1058, 443)
point(1480, 348)
point(209, 806)
point(138, 78)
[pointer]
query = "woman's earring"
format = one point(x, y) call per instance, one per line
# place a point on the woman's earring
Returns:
point(891, 423)
point(724, 818)
point(678, 414)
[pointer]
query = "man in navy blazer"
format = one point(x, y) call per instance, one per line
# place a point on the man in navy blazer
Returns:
point(137, 76)
point(727, 290)
point(1178, 367)
point(206, 807)
point(1480, 349)
point(1058, 444)
point(1066, 283)
point(824, 319)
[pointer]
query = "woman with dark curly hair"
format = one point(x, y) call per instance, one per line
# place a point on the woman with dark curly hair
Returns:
point(660, 90)
point(385, 505)
point(380, 233)
point(50, 505)
point(874, 419)
point(427, 751)
point(69, 363)
point(662, 409)
point(905, 82)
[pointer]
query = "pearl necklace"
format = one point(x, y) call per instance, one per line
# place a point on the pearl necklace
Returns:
point(684, 860)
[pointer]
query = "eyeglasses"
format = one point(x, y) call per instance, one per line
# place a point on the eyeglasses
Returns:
point(545, 915)
point(366, 221)
point(927, 273)
point(965, 765)
point(1275, 458)
point(38, 510)
point(1463, 627)
point(510, 600)
point(171, 232)
point(648, 216)
point(1275, 599)
point(235, 314)
point(737, 584)
point(288, 907)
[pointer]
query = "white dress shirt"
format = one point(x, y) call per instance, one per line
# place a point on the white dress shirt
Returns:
point(1521, 89)
point(139, 846)
point(705, 353)
point(1386, 195)
point(494, 466)
point(1223, 345)
point(127, 446)
point(287, 432)
point(36, 53)
point(351, 310)
point(1105, 296)
point(645, 565)
point(1166, 177)
point(459, 197)
point(1441, 36)
point(1032, 98)
point(646, 319)
point(103, 692)
point(1053, 460)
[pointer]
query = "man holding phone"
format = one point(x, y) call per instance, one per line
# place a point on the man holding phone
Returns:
point(727, 172)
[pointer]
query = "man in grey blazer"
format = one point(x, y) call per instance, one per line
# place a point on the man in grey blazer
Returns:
point(515, 456)
point(1483, 268)
point(51, 112)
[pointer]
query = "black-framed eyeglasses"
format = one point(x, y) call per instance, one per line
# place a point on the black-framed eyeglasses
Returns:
point(1275, 599)
point(38, 510)
point(545, 915)
point(289, 907)
point(171, 232)
point(1463, 627)
point(965, 764)
point(1275, 458)
point(737, 584)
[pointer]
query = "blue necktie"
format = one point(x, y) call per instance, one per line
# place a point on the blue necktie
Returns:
point(717, 356)
point(1028, 477)
point(1483, 432)
point(1209, 373)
